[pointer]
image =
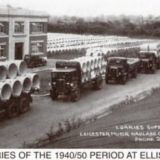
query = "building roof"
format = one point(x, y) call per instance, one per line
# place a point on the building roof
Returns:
point(13, 11)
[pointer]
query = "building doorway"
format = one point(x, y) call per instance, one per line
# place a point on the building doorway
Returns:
point(18, 50)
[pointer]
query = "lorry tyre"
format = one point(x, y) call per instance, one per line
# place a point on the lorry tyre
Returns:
point(124, 80)
point(12, 110)
point(44, 63)
point(135, 74)
point(53, 95)
point(158, 65)
point(32, 65)
point(24, 105)
point(153, 69)
point(106, 79)
point(98, 84)
point(75, 95)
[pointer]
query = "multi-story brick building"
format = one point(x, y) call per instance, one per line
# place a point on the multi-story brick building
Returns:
point(22, 32)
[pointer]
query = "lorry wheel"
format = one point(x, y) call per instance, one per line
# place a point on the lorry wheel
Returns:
point(75, 95)
point(53, 95)
point(135, 74)
point(98, 84)
point(124, 80)
point(153, 69)
point(31, 65)
point(12, 110)
point(106, 79)
point(24, 105)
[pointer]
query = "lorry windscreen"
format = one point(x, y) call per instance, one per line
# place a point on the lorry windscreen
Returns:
point(115, 61)
point(145, 55)
point(63, 75)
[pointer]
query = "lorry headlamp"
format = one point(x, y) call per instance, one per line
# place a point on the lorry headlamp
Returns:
point(71, 84)
point(54, 83)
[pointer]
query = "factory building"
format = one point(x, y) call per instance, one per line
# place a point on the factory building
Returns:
point(22, 32)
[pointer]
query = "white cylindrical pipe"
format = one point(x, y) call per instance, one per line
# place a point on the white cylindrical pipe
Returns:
point(22, 67)
point(104, 63)
point(100, 67)
point(103, 69)
point(12, 69)
point(88, 65)
point(93, 74)
point(35, 80)
point(95, 63)
point(5, 91)
point(97, 71)
point(16, 87)
point(83, 65)
point(87, 76)
point(83, 77)
point(92, 64)
point(3, 72)
point(26, 83)
point(99, 62)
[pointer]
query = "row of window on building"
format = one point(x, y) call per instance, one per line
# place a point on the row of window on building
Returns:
point(36, 47)
point(19, 27)
point(2, 50)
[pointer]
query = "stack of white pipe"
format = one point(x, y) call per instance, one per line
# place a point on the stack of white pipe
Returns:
point(14, 79)
point(91, 67)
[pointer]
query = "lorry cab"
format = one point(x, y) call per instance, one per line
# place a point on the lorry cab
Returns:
point(148, 61)
point(116, 69)
point(117, 61)
point(65, 81)
point(147, 55)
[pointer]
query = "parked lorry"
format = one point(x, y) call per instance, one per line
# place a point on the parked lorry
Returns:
point(35, 60)
point(149, 61)
point(16, 87)
point(71, 77)
point(120, 69)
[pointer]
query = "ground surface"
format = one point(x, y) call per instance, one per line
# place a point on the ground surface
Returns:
point(140, 117)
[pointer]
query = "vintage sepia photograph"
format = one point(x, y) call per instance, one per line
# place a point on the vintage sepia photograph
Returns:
point(79, 74)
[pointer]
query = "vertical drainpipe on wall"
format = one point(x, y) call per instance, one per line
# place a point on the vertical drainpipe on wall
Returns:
point(27, 41)
point(7, 44)
point(10, 43)
point(8, 32)
point(46, 36)
point(30, 29)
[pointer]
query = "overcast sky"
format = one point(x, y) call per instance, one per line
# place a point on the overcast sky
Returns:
point(90, 7)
